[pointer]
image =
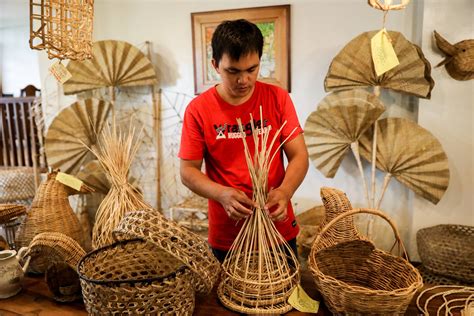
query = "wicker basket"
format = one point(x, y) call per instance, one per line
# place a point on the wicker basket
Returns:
point(356, 278)
point(133, 277)
point(310, 224)
point(448, 250)
point(17, 184)
point(10, 211)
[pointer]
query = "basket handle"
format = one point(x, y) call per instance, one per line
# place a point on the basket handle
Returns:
point(398, 240)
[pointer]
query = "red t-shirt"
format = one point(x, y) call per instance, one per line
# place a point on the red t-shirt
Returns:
point(210, 132)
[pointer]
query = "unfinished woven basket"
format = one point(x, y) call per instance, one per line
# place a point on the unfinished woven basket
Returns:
point(356, 278)
point(448, 250)
point(177, 241)
point(10, 211)
point(50, 212)
point(134, 277)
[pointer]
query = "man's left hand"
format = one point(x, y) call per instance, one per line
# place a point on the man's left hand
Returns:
point(279, 198)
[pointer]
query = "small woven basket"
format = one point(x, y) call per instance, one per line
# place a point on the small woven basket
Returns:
point(448, 250)
point(356, 278)
point(133, 277)
point(10, 211)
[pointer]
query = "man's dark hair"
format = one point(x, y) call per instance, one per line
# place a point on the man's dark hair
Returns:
point(236, 38)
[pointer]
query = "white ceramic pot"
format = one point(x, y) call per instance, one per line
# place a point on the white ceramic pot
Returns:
point(11, 272)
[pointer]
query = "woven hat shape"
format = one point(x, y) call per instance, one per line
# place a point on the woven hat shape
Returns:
point(411, 154)
point(113, 64)
point(459, 61)
point(76, 125)
point(340, 120)
point(353, 67)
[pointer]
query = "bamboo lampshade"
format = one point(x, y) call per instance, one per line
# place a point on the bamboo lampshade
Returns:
point(62, 27)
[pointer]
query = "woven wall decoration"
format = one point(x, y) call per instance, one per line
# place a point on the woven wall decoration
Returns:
point(62, 27)
point(76, 125)
point(113, 64)
point(411, 154)
point(459, 61)
point(377, 4)
point(353, 67)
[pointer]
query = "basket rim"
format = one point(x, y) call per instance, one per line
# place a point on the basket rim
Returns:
point(173, 274)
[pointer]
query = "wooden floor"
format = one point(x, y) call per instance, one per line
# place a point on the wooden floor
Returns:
point(35, 299)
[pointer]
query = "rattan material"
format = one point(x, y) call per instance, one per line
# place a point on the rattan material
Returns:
point(459, 61)
point(17, 184)
point(377, 4)
point(135, 278)
point(62, 28)
point(63, 282)
point(181, 243)
point(448, 250)
point(310, 225)
point(10, 211)
point(50, 212)
point(447, 299)
point(355, 277)
point(437, 279)
point(353, 68)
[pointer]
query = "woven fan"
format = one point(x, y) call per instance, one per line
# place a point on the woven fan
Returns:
point(353, 67)
point(77, 124)
point(411, 154)
point(93, 175)
point(377, 4)
point(113, 64)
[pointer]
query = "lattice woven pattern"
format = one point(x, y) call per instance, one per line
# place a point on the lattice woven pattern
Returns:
point(62, 27)
point(181, 243)
point(16, 184)
point(10, 211)
point(135, 278)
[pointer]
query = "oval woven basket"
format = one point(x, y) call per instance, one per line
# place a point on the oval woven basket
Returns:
point(133, 277)
point(356, 278)
point(448, 250)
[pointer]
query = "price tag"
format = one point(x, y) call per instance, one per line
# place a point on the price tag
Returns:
point(383, 54)
point(60, 72)
point(302, 302)
point(69, 180)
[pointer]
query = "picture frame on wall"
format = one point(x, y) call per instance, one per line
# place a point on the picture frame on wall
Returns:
point(273, 21)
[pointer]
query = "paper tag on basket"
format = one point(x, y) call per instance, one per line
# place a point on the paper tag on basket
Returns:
point(383, 54)
point(302, 302)
point(69, 180)
point(60, 72)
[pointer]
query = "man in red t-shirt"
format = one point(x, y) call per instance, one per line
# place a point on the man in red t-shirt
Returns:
point(211, 133)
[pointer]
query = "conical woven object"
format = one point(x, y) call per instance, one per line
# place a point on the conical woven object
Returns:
point(113, 64)
point(411, 154)
point(76, 125)
point(459, 61)
point(50, 212)
point(341, 118)
point(353, 67)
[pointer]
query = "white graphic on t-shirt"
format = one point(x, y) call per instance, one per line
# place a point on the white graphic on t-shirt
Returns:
point(220, 131)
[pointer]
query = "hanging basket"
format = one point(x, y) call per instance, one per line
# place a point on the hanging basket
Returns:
point(355, 277)
point(448, 250)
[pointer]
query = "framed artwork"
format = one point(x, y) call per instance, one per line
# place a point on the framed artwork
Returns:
point(273, 21)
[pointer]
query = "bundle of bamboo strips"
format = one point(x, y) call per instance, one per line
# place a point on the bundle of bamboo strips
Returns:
point(260, 271)
point(115, 153)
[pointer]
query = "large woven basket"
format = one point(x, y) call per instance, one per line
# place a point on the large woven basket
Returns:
point(356, 278)
point(17, 184)
point(133, 277)
point(448, 250)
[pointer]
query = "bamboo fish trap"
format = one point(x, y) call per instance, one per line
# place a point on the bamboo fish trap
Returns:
point(260, 270)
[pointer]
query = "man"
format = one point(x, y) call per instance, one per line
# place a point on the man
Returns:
point(211, 133)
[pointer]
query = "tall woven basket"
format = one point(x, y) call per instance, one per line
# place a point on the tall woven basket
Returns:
point(356, 278)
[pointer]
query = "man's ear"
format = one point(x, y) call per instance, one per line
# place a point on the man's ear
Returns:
point(215, 65)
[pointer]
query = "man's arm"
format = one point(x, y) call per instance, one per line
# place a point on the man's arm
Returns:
point(235, 202)
point(297, 155)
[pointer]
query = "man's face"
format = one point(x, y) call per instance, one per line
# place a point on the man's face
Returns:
point(238, 76)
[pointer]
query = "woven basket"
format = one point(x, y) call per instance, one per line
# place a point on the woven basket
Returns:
point(133, 277)
point(17, 184)
point(448, 250)
point(356, 278)
point(310, 224)
point(10, 211)
point(181, 243)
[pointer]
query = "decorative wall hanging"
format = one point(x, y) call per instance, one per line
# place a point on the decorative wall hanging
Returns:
point(62, 28)
point(411, 154)
point(273, 21)
point(353, 67)
point(78, 124)
point(459, 61)
point(386, 6)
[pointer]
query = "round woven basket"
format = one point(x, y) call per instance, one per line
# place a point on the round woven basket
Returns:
point(10, 211)
point(448, 250)
point(356, 278)
point(133, 277)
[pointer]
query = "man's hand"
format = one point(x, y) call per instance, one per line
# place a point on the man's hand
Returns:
point(236, 203)
point(278, 197)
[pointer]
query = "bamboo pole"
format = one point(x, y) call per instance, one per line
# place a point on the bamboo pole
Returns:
point(112, 101)
point(355, 151)
point(386, 180)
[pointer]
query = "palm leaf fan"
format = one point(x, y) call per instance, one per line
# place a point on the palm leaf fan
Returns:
point(353, 67)
point(411, 154)
point(113, 64)
point(75, 125)
point(341, 118)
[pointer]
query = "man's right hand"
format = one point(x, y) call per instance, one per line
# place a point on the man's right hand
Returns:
point(236, 203)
